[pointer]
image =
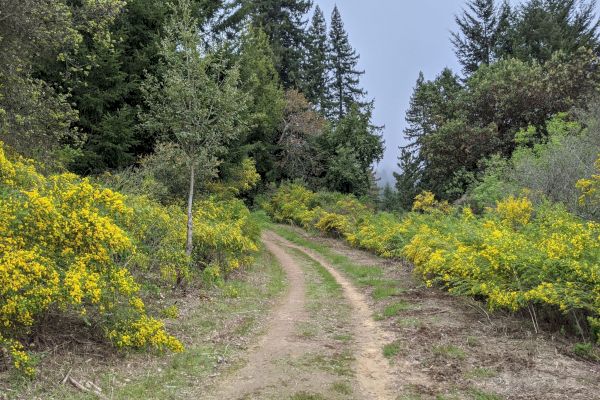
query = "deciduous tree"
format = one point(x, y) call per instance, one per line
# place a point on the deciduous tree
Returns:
point(195, 103)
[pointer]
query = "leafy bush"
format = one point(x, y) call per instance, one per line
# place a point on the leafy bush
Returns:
point(73, 247)
point(548, 169)
point(159, 234)
point(295, 204)
point(517, 255)
point(225, 235)
point(590, 188)
point(63, 246)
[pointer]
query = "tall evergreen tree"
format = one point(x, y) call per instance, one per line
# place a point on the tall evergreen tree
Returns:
point(40, 43)
point(349, 150)
point(284, 23)
point(104, 115)
point(344, 89)
point(408, 181)
point(482, 27)
point(316, 70)
point(388, 198)
point(104, 84)
point(432, 104)
point(544, 27)
point(259, 79)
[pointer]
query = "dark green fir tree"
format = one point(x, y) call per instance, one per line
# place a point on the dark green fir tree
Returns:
point(482, 28)
point(316, 69)
point(544, 27)
point(344, 86)
point(259, 79)
point(283, 21)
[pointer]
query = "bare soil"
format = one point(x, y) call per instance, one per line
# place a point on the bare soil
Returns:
point(372, 369)
point(274, 366)
point(263, 372)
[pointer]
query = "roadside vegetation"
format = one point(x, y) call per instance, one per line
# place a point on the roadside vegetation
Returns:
point(146, 145)
point(515, 256)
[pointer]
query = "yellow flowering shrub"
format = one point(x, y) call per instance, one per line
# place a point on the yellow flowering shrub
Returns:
point(590, 188)
point(239, 180)
point(63, 246)
point(225, 235)
point(159, 233)
point(426, 202)
point(515, 255)
point(294, 204)
point(333, 223)
point(515, 210)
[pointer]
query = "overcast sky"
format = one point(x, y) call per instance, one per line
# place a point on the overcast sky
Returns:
point(396, 39)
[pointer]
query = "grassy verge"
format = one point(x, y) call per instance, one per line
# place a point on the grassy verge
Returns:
point(216, 325)
point(382, 290)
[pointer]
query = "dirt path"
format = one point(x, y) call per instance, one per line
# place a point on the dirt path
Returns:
point(262, 372)
point(277, 365)
point(372, 369)
point(449, 347)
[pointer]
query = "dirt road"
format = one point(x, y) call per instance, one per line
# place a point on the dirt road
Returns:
point(282, 364)
point(353, 326)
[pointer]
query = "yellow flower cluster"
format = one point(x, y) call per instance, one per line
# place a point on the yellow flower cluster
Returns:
point(240, 180)
point(515, 210)
point(225, 236)
point(514, 255)
point(159, 235)
point(426, 202)
point(145, 332)
point(63, 244)
point(590, 188)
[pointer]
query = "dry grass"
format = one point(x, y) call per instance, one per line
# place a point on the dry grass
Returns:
point(215, 327)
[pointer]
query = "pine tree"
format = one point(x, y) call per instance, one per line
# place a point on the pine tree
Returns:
point(349, 149)
point(104, 116)
point(408, 181)
point(316, 70)
point(544, 27)
point(284, 23)
point(481, 27)
point(344, 89)
point(259, 79)
point(388, 199)
point(432, 105)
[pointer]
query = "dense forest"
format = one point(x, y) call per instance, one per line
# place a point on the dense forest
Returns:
point(144, 144)
point(90, 102)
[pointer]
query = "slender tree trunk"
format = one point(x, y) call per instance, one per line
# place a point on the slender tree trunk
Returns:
point(190, 226)
point(190, 221)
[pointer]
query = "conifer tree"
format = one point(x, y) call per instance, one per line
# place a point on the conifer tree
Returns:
point(344, 89)
point(409, 179)
point(349, 149)
point(481, 27)
point(316, 70)
point(259, 79)
point(284, 23)
point(104, 116)
point(544, 27)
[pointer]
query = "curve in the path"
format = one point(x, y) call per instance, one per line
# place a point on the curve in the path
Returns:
point(372, 369)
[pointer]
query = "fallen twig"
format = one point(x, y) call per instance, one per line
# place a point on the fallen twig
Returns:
point(67, 376)
point(82, 387)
